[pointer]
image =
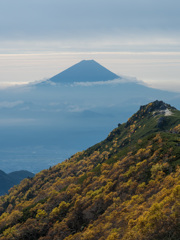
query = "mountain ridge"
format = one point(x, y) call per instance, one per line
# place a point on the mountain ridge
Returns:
point(125, 187)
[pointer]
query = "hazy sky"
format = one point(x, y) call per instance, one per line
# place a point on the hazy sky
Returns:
point(141, 38)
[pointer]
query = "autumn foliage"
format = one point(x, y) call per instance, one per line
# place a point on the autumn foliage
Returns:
point(126, 187)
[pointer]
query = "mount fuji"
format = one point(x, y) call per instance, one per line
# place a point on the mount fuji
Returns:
point(84, 71)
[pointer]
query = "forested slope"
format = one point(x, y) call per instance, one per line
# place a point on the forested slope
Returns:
point(126, 187)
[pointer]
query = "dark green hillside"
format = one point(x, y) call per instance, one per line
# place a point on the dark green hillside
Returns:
point(126, 187)
point(18, 176)
point(9, 180)
point(5, 182)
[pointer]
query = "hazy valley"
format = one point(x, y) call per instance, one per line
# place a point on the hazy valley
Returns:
point(43, 123)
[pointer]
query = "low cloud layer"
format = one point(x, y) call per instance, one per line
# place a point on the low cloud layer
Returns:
point(17, 122)
point(109, 82)
point(6, 104)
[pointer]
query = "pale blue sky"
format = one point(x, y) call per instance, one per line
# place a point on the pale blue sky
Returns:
point(39, 38)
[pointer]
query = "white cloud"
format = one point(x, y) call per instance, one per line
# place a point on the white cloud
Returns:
point(6, 104)
point(75, 109)
point(17, 121)
point(109, 82)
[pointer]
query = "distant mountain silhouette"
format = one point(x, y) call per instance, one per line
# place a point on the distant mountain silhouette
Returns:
point(9, 180)
point(84, 71)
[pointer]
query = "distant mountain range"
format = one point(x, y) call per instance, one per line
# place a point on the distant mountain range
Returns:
point(9, 180)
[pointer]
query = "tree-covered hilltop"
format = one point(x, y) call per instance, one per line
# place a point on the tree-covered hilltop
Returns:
point(126, 187)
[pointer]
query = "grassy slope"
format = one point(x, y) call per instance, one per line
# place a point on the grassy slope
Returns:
point(126, 187)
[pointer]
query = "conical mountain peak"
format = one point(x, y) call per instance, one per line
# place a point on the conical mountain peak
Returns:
point(84, 71)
